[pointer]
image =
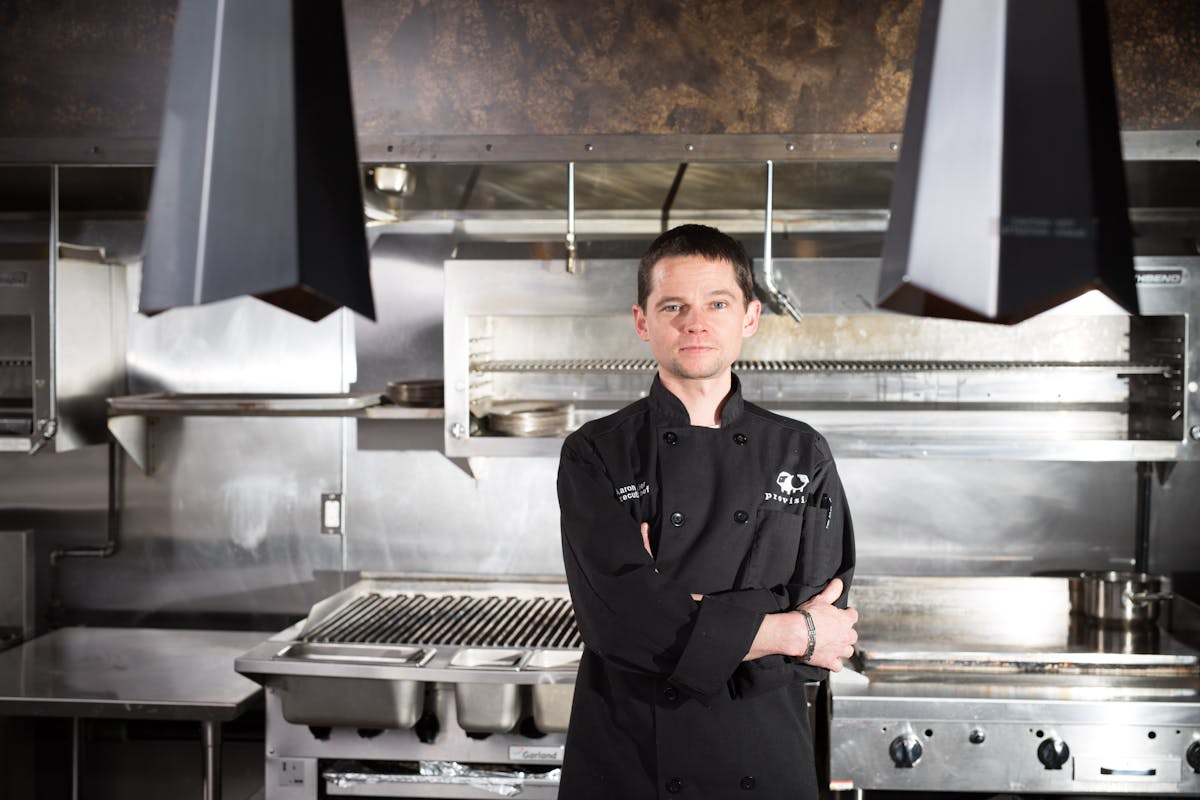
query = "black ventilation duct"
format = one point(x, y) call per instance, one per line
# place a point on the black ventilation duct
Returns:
point(1009, 195)
point(257, 190)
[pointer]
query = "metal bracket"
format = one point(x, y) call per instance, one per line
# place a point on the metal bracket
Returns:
point(133, 433)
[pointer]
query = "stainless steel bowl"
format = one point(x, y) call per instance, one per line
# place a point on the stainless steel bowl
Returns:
point(1123, 599)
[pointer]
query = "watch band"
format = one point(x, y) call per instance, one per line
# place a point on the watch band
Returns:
point(812, 636)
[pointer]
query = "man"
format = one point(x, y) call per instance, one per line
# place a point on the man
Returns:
point(708, 549)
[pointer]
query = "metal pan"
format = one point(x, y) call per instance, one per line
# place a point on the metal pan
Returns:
point(1123, 599)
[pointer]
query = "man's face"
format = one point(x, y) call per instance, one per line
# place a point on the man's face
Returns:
point(695, 317)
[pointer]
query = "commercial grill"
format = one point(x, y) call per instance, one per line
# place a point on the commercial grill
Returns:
point(421, 687)
point(994, 685)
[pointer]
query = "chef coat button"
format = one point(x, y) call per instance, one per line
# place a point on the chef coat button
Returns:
point(741, 517)
point(674, 786)
point(670, 437)
point(747, 782)
point(671, 693)
point(676, 519)
point(739, 438)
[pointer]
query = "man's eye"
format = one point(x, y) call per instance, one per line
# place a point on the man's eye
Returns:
point(672, 307)
point(720, 304)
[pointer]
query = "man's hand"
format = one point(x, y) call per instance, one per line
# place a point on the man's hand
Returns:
point(787, 633)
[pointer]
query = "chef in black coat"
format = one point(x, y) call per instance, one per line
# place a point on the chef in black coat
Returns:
point(709, 550)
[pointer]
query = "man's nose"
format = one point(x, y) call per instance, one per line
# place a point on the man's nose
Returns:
point(693, 320)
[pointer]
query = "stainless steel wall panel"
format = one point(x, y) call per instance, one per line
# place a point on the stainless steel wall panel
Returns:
point(945, 517)
point(239, 345)
point(417, 512)
point(405, 340)
point(229, 522)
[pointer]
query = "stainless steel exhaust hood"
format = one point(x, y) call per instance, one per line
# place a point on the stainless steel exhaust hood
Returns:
point(257, 187)
point(1009, 195)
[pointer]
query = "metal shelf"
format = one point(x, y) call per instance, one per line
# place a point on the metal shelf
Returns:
point(129, 417)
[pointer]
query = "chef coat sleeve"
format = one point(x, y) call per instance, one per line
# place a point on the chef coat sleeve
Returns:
point(628, 613)
point(826, 552)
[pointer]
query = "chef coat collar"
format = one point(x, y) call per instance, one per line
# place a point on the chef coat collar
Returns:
point(672, 409)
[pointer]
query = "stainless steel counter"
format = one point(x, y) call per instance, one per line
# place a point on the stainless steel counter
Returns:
point(128, 673)
point(133, 673)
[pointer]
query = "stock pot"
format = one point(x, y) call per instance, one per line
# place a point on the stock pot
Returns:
point(1121, 599)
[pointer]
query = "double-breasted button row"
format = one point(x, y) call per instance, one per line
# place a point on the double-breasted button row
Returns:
point(677, 519)
point(674, 785)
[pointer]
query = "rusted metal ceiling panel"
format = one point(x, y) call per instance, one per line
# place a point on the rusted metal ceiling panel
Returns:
point(84, 80)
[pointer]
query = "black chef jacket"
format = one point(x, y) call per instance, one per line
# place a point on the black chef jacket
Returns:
point(751, 515)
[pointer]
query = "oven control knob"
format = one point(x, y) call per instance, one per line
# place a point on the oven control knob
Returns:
point(905, 750)
point(1053, 753)
point(1193, 756)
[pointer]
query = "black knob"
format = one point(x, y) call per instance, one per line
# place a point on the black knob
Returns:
point(1053, 753)
point(905, 751)
point(677, 519)
point(675, 786)
point(739, 438)
point(741, 517)
point(1193, 756)
point(977, 736)
point(670, 437)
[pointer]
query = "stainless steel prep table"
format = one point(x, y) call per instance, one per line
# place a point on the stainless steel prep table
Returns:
point(132, 673)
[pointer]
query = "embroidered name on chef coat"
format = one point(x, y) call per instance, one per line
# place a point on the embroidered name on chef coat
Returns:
point(632, 491)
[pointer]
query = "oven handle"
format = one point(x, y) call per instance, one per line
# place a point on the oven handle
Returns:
point(1149, 772)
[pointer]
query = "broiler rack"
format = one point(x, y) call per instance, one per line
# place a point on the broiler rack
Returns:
point(450, 619)
point(646, 365)
point(447, 628)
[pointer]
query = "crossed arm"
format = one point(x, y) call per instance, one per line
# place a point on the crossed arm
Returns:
point(786, 633)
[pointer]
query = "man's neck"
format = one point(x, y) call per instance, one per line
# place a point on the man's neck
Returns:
point(703, 399)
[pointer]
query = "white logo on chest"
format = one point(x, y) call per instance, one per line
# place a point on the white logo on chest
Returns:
point(789, 483)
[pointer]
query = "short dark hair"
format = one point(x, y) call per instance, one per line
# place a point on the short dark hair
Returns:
point(696, 240)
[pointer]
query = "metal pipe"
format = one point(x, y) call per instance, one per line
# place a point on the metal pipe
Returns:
point(113, 519)
point(210, 732)
point(48, 427)
point(1141, 543)
point(670, 200)
point(571, 217)
point(74, 758)
point(776, 299)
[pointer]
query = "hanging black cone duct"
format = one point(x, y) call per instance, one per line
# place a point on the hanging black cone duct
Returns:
point(1010, 191)
point(257, 187)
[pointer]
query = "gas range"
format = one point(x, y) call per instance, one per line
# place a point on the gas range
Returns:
point(992, 685)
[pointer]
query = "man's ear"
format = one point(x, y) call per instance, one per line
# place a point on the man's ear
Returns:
point(639, 323)
point(750, 322)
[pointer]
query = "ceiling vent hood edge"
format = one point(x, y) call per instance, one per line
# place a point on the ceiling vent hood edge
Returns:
point(1009, 196)
point(257, 188)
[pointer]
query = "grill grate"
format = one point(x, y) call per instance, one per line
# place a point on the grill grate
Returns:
point(472, 620)
point(870, 366)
